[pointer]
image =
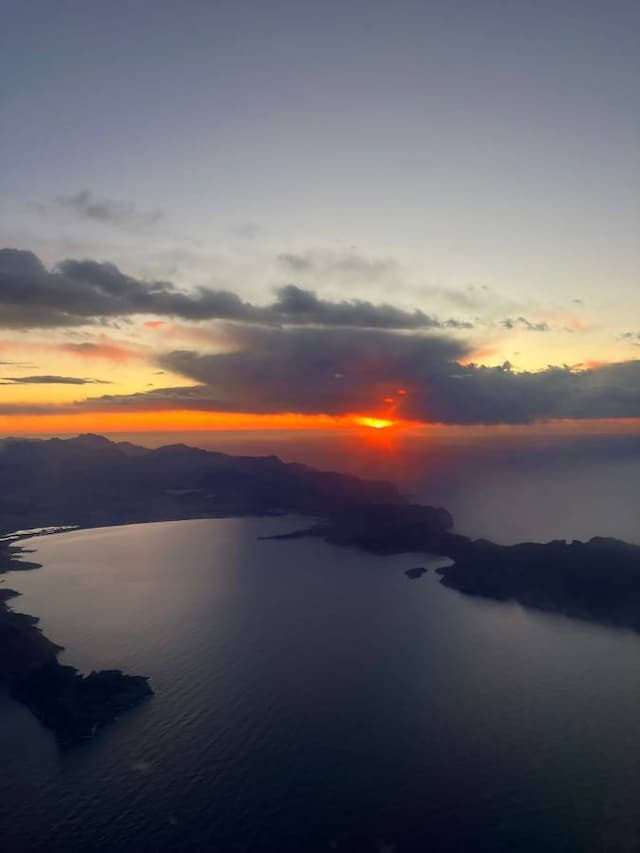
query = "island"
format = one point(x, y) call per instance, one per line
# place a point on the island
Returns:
point(416, 573)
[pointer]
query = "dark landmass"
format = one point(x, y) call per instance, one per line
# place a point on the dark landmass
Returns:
point(89, 481)
point(598, 580)
point(11, 558)
point(73, 706)
point(23, 646)
point(386, 528)
point(415, 574)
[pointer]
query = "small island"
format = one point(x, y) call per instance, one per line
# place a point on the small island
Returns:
point(417, 572)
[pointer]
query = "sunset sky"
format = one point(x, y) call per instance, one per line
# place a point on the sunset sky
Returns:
point(291, 215)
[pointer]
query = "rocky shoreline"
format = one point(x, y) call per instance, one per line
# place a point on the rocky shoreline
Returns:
point(596, 581)
point(73, 706)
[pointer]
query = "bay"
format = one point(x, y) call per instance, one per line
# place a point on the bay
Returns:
point(313, 698)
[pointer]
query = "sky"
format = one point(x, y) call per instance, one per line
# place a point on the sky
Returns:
point(294, 215)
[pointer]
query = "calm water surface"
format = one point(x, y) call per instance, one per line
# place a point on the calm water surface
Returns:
point(310, 698)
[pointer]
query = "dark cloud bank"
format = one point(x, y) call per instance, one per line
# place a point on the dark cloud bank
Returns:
point(79, 292)
point(336, 371)
point(306, 354)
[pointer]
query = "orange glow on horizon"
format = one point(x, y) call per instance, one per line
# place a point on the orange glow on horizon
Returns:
point(57, 423)
point(181, 421)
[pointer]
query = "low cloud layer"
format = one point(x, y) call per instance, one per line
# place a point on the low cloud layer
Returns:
point(51, 380)
point(80, 292)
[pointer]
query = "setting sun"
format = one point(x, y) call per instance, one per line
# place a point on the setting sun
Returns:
point(374, 423)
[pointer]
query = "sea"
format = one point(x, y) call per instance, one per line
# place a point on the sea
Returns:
point(314, 698)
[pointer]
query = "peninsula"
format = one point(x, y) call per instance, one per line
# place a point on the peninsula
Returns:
point(74, 706)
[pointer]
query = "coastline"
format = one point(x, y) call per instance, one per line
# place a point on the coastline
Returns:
point(596, 581)
point(74, 707)
point(10, 558)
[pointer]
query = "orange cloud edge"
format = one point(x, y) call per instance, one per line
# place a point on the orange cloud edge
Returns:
point(179, 420)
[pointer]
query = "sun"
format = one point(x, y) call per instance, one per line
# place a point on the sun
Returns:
point(374, 423)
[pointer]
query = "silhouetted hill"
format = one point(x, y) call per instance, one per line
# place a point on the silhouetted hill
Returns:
point(598, 580)
point(90, 481)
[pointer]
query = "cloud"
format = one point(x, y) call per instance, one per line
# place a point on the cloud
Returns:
point(349, 264)
point(304, 307)
point(101, 351)
point(631, 337)
point(527, 325)
point(81, 292)
point(32, 409)
point(351, 268)
point(314, 370)
point(307, 370)
point(246, 230)
point(300, 352)
point(337, 371)
point(51, 380)
point(121, 214)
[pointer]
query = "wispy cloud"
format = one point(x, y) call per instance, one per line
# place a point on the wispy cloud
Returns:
point(346, 264)
point(51, 380)
point(124, 215)
point(527, 325)
point(631, 337)
point(103, 350)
